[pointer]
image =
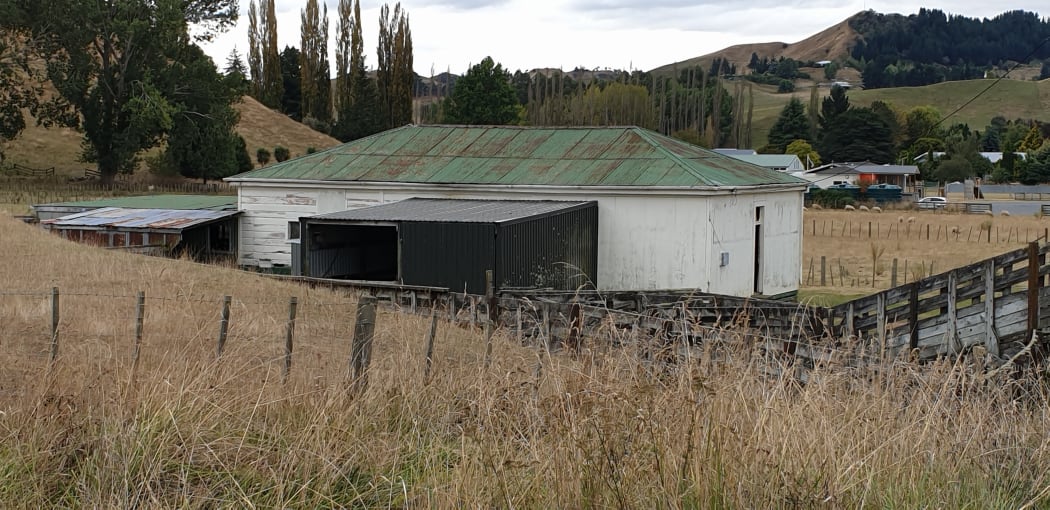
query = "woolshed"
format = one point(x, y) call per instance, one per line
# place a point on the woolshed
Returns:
point(670, 215)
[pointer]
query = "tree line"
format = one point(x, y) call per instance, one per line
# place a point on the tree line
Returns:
point(930, 47)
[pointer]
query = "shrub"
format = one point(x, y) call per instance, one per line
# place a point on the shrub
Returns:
point(785, 86)
point(832, 199)
point(281, 153)
point(311, 150)
point(262, 156)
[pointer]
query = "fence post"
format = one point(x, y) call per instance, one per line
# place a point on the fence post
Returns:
point(991, 343)
point(1033, 286)
point(490, 324)
point(913, 317)
point(140, 310)
point(293, 304)
point(224, 325)
point(53, 354)
point(893, 275)
point(430, 347)
point(823, 270)
point(953, 327)
point(361, 348)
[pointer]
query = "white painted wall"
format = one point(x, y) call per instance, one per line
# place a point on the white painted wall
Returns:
point(646, 239)
point(828, 179)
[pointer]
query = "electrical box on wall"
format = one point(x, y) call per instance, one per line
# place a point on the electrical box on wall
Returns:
point(725, 259)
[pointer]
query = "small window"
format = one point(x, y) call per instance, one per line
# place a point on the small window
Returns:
point(293, 230)
point(758, 214)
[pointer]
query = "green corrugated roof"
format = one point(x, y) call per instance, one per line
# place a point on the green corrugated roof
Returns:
point(178, 202)
point(512, 155)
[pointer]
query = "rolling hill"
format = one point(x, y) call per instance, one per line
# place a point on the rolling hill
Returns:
point(833, 43)
point(1009, 98)
point(40, 147)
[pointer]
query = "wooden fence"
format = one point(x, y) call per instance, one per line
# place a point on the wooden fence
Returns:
point(17, 170)
point(997, 303)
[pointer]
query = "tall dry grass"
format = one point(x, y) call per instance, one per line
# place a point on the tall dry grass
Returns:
point(535, 429)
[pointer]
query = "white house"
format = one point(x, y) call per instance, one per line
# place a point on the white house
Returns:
point(855, 172)
point(670, 215)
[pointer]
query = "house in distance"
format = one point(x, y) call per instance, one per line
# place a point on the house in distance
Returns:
point(669, 215)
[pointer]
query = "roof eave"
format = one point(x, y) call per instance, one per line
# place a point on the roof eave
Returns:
point(801, 185)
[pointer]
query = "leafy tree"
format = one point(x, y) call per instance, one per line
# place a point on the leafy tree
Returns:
point(830, 71)
point(201, 142)
point(291, 93)
point(785, 86)
point(921, 122)
point(954, 169)
point(394, 74)
point(272, 78)
point(262, 156)
point(992, 138)
point(315, 74)
point(805, 152)
point(16, 90)
point(255, 50)
point(281, 154)
point(104, 60)
point(1033, 140)
point(1038, 170)
point(791, 125)
point(483, 96)
point(858, 134)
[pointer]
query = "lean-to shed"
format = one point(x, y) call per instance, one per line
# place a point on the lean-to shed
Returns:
point(670, 214)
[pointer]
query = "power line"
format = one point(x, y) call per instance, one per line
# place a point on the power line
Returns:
point(1027, 58)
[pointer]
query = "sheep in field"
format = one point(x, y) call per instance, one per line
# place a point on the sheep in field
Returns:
point(850, 208)
point(988, 213)
point(911, 219)
point(817, 207)
point(863, 208)
point(954, 230)
point(900, 219)
point(1004, 213)
point(876, 209)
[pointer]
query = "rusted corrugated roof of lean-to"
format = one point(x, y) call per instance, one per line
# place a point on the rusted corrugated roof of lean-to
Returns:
point(516, 155)
point(118, 218)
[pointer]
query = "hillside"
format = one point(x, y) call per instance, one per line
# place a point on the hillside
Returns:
point(833, 43)
point(40, 147)
point(1009, 98)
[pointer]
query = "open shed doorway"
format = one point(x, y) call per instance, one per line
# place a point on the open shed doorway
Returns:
point(353, 252)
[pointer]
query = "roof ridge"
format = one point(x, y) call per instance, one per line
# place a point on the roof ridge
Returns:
point(644, 133)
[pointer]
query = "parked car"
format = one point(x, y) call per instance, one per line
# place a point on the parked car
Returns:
point(933, 202)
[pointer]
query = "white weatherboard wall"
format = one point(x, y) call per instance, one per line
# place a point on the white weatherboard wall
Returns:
point(646, 239)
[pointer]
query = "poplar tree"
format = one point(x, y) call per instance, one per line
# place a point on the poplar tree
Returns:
point(255, 52)
point(272, 86)
point(313, 63)
point(356, 100)
point(394, 75)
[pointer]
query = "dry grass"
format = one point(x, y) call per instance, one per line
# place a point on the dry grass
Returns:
point(906, 242)
point(533, 430)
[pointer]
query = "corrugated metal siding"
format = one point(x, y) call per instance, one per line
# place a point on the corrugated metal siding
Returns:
point(452, 255)
point(558, 251)
point(516, 155)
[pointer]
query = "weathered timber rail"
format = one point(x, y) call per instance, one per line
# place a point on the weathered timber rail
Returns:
point(997, 303)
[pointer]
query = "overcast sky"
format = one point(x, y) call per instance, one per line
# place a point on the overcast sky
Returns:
point(617, 34)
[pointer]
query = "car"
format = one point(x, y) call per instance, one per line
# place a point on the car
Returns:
point(933, 202)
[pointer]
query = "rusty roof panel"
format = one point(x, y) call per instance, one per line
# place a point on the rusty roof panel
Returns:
point(514, 155)
point(119, 218)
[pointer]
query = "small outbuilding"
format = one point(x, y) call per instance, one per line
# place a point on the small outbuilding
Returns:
point(50, 211)
point(202, 234)
point(451, 243)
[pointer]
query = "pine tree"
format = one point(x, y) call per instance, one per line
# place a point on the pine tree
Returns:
point(394, 75)
point(313, 63)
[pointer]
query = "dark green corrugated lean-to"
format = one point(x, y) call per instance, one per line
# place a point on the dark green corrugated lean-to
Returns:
point(512, 155)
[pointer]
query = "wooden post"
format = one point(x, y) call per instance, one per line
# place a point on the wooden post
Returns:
point(430, 348)
point(361, 348)
point(519, 333)
point(880, 301)
point(490, 321)
point(849, 319)
point(953, 326)
point(575, 327)
point(869, 230)
point(927, 231)
point(893, 275)
point(224, 325)
point(823, 270)
point(913, 316)
point(1033, 287)
point(991, 343)
point(547, 340)
point(289, 334)
point(55, 317)
point(140, 310)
